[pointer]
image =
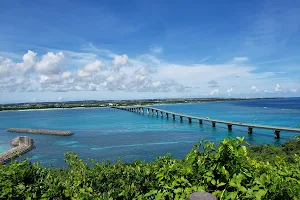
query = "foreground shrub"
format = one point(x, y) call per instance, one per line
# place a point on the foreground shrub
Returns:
point(227, 171)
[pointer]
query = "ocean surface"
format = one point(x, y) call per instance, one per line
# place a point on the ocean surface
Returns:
point(104, 133)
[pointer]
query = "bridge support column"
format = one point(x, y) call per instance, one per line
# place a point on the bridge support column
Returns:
point(200, 121)
point(161, 114)
point(173, 116)
point(213, 124)
point(276, 134)
point(156, 113)
point(229, 127)
point(190, 120)
point(148, 111)
point(250, 130)
point(167, 115)
point(180, 118)
point(152, 111)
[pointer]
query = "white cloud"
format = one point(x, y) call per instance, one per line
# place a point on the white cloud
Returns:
point(9, 68)
point(49, 63)
point(254, 89)
point(293, 90)
point(229, 91)
point(90, 69)
point(204, 59)
point(144, 73)
point(121, 60)
point(28, 62)
point(66, 75)
point(277, 88)
point(147, 58)
point(240, 59)
point(214, 92)
point(156, 49)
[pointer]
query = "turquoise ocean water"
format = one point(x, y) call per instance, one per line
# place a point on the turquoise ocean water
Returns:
point(104, 133)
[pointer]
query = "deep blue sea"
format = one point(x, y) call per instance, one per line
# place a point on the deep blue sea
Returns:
point(104, 133)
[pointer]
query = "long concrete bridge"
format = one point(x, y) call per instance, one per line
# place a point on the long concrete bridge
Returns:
point(167, 114)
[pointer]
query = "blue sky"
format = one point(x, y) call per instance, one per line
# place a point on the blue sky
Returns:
point(73, 50)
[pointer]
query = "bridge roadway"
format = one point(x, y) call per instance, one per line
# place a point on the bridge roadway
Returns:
point(155, 111)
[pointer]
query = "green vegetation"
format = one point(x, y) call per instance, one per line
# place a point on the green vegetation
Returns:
point(228, 171)
point(286, 151)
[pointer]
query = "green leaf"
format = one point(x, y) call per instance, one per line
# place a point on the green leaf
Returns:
point(260, 193)
point(213, 181)
point(242, 189)
point(221, 184)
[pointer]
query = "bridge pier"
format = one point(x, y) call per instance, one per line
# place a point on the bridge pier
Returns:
point(213, 124)
point(276, 134)
point(250, 130)
point(155, 111)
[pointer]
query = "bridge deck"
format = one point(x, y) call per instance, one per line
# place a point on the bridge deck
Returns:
point(277, 128)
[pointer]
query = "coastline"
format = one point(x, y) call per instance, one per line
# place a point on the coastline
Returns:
point(43, 106)
point(48, 109)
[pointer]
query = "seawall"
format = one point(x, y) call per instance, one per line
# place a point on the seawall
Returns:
point(23, 144)
point(40, 131)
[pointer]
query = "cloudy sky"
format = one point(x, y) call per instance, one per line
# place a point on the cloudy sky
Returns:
point(63, 50)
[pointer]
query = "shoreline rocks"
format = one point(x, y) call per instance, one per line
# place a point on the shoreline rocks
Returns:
point(23, 145)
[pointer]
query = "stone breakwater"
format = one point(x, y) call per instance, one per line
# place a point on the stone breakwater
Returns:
point(23, 144)
point(40, 131)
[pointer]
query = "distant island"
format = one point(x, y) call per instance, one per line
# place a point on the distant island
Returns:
point(109, 103)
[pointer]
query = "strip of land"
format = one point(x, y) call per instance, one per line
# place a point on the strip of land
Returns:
point(40, 131)
point(109, 103)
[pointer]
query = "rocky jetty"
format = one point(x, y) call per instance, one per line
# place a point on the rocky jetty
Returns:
point(23, 144)
point(40, 131)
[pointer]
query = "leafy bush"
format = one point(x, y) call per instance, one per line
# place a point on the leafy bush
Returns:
point(287, 151)
point(226, 171)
